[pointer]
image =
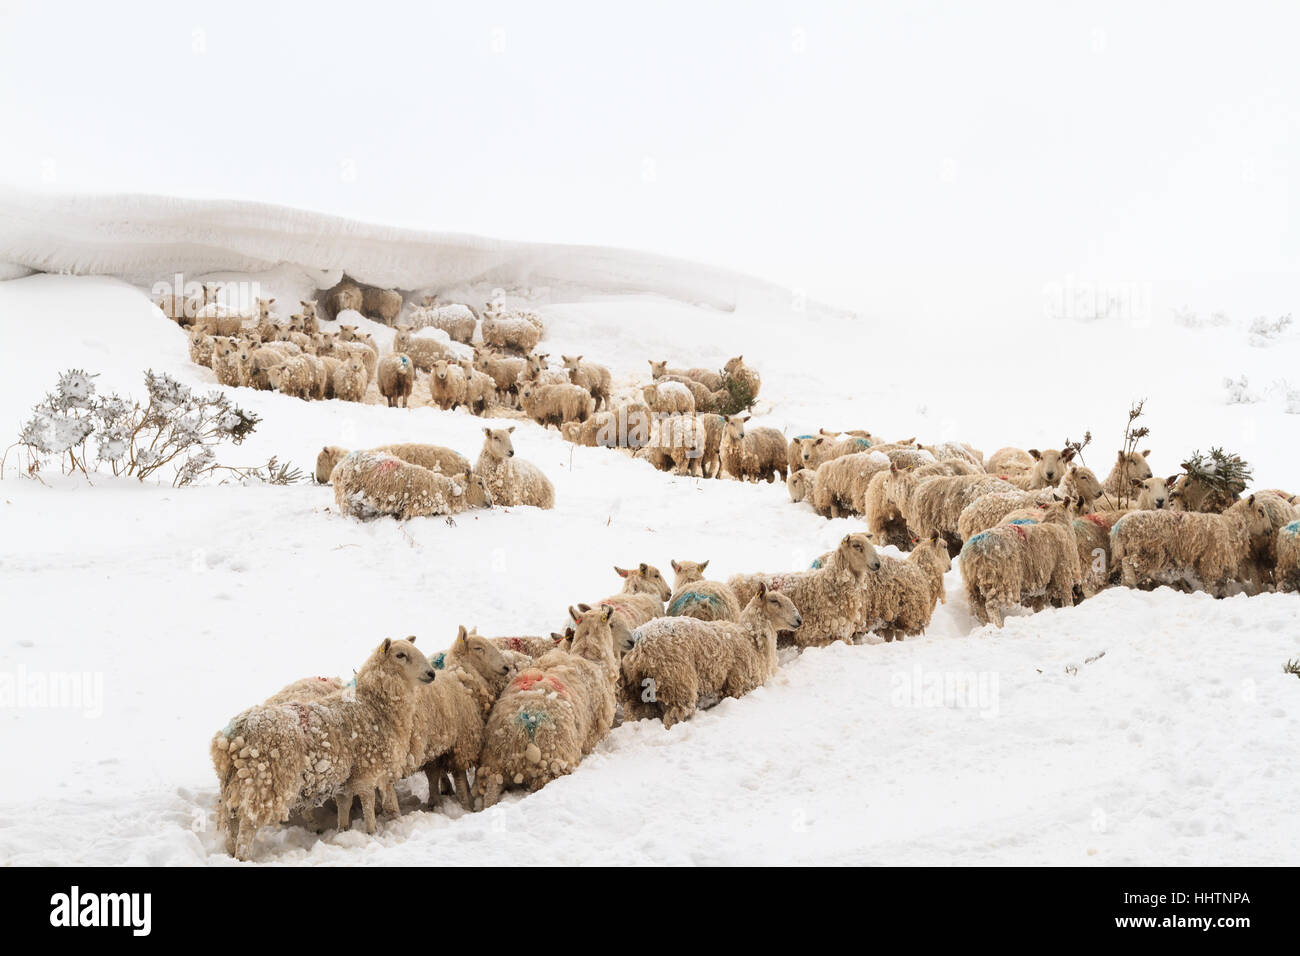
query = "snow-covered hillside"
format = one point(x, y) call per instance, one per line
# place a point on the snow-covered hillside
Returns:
point(1135, 728)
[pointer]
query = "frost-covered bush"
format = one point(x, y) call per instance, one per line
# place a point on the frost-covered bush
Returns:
point(1239, 392)
point(1264, 332)
point(176, 431)
point(1191, 320)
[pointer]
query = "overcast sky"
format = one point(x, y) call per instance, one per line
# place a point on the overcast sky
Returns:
point(904, 156)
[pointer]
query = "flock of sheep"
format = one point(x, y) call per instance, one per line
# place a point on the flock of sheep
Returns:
point(1032, 528)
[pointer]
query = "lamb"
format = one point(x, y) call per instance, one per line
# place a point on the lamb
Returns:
point(669, 398)
point(512, 481)
point(903, 594)
point(710, 379)
point(839, 486)
point(642, 598)
point(271, 760)
point(350, 380)
point(370, 484)
point(556, 404)
point(552, 714)
point(346, 295)
point(1022, 564)
point(396, 374)
point(829, 598)
point(752, 453)
point(447, 385)
point(1287, 544)
point(382, 305)
point(594, 378)
point(680, 661)
point(1190, 550)
point(745, 377)
point(695, 597)
point(480, 389)
point(451, 713)
point(424, 352)
point(513, 331)
point(505, 371)
point(800, 484)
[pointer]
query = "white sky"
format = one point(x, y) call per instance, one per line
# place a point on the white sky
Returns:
point(915, 158)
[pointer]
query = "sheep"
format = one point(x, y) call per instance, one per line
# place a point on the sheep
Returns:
point(344, 351)
point(1260, 568)
point(1190, 550)
point(432, 457)
point(505, 371)
point(200, 347)
point(1022, 564)
point(556, 404)
point(935, 503)
point(626, 426)
point(370, 484)
point(537, 372)
point(511, 480)
point(903, 594)
point(424, 352)
point(456, 320)
point(382, 305)
point(349, 380)
point(745, 377)
point(710, 379)
point(818, 449)
point(989, 510)
point(1010, 462)
point(218, 319)
point(513, 331)
point(829, 598)
point(839, 486)
point(678, 662)
point(310, 322)
point(884, 517)
point(296, 376)
point(396, 373)
point(794, 453)
point(704, 399)
point(329, 456)
point(480, 388)
point(711, 460)
point(1092, 540)
point(344, 296)
point(594, 378)
point(800, 484)
point(1045, 471)
point(956, 451)
point(271, 760)
point(1287, 544)
point(695, 597)
point(451, 713)
point(642, 598)
point(531, 647)
point(447, 385)
point(683, 439)
point(752, 453)
point(305, 690)
point(230, 361)
point(552, 714)
point(669, 398)
point(1127, 467)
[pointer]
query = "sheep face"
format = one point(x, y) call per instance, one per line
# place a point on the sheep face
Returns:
point(1151, 494)
point(440, 371)
point(800, 484)
point(735, 427)
point(857, 553)
point(480, 654)
point(329, 456)
point(1134, 464)
point(734, 364)
point(347, 333)
point(778, 609)
point(1258, 524)
point(1049, 465)
point(497, 442)
point(571, 362)
point(477, 494)
point(1085, 482)
point(222, 347)
point(645, 579)
point(658, 369)
point(592, 637)
point(308, 308)
point(264, 308)
point(687, 572)
point(404, 659)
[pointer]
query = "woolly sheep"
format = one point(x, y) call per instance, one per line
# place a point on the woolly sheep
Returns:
point(370, 484)
point(815, 450)
point(695, 597)
point(990, 509)
point(432, 457)
point(711, 380)
point(271, 760)
point(1259, 571)
point(350, 379)
point(505, 371)
point(342, 297)
point(839, 486)
point(678, 662)
point(218, 319)
point(396, 374)
point(752, 453)
point(424, 352)
point(642, 598)
point(513, 331)
point(1287, 544)
point(1022, 564)
point(737, 371)
point(903, 594)
point(382, 305)
point(669, 398)
point(555, 404)
point(627, 426)
point(1123, 472)
point(296, 376)
point(594, 378)
point(1192, 550)
point(829, 598)
point(800, 484)
point(552, 714)
point(531, 647)
point(1045, 472)
point(447, 385)
point(480, 389)
point(885, 520)
point(511, 480)
point(200, 347)
point(935, 503)
point(956, 451)
point(458, 321)
point(538, 372)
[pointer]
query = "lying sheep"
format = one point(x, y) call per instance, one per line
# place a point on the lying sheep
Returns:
point(800, 484)
point(1190, 550)
point(642, 598)
point(678, 662)
point(829, 598)
point(669, 398)
point(447, 385)
point(272, 760)
point(396, 373)
point(370, 484)
point(839, 486)
point(432, 457)
point(903, 594)
point(512, 481)
point(451, 713)
point(556, 404)
point(695, 597)
point(752, 454)
point(552, 714)
point(594, 378)
point(1027, 565)
point(1287, 544)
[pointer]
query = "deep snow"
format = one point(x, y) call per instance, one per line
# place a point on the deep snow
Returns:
point(1172, 747)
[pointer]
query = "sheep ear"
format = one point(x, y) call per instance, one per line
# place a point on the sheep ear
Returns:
point(1171, 479)
point(460, 634)
point(574, 615)
point(673, 562)
point(511, 428)
point(762, 588)
point(1250, 500)
point(606, 612)
point(410, 638)
point(819, 441)
point(621, 572)
point(1067, 454)
point(1035, 454)
point(644, 568)
point(704, 565)
point(1146, 453)
point(1136, 483)
point(388, 642)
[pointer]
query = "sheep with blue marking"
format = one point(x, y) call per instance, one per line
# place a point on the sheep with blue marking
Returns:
point(991, 509)
point(1287, 544)
point(272, 761)
point(679, 662)
point(815, 450)
point(695, 597)
point(642, 598)
point(552, 714)
point(396, 374)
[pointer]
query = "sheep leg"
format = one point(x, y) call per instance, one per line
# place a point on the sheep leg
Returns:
point(232, 831)
point(388, 797)
point(344, 802)
point(491, 790)
point(368, 808)
point(244, 843)
point(462, 787)
point(434, 776)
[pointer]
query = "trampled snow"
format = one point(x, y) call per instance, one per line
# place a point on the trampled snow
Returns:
point(1135, 728)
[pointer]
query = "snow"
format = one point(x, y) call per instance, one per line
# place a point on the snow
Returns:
point(1136, 728)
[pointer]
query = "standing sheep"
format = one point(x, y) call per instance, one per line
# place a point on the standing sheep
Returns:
point(594, 378)
point(555, 404)
point(1288, 557)
point(695, 597)
point(505, 371)
point(382, 305)
point(396, 374)
point(839, 486)
point(424, 351)
point(342, 297)
point(350, 379)
point(752, 453)
point(669, 398)
point(642, 598)
point(447, 385)
point(1126, 469)
point(680, 661)
point(370, 484)
point(902, 595)
point(512, 481)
